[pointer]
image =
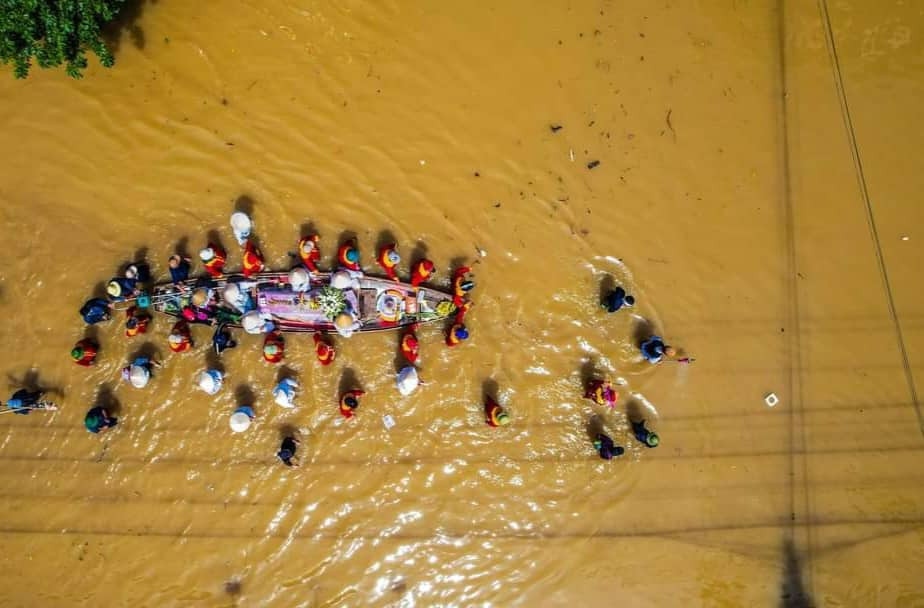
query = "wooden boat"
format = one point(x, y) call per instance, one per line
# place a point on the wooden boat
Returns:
point(382, 304)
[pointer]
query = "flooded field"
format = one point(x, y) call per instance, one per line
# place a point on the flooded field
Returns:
point(748, 170)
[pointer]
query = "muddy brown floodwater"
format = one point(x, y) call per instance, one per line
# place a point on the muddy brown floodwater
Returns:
point(761, 231)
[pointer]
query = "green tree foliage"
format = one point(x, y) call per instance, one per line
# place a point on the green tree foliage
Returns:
point(54, 32)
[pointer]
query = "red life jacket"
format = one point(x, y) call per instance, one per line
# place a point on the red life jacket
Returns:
point(345, 410)
point(452, 339)
point(274, 339)
point(253, 260)
point(422, 272)
point(342, 255)
point(216, 265)
point(185, 344)
point(324, 351)
point(311, 260)
point(385, 263)
point(457, 280)
point(491, 411)
point(410, 348)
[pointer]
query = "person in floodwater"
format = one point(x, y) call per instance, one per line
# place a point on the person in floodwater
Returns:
point(494, 414)
point(98, 420)
point(389, 259)
point(95, 310)
point(253, 259)
point(649, 438)
point(287, 451)
point(136, 322)
point(457, 334)
point(602, 392)
point(410, 347)
point(422, 272)
point(349, 401)
point(84, 352)
point(274, 347)
point(179, 270)
point(348, 256)
point(23, 401)
point(210, 381)
point(180, 339)
point(654, 350)
point(461, 285)
point(309, 253)
point(284, 392)
point(214, 259)
point(138, 374)
point(121, 289)
point(222, 339)
point(324, 350)
point(606, 447)
point(616, 299)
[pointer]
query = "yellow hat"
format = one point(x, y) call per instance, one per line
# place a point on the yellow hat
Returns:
point(200, 296)
point(343, 321)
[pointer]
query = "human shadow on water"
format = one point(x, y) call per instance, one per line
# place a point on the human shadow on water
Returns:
point(594, 427)
point(31, 381)
point(286, 371)
point(106, 399)
point(244, 395)
point(417, 254)
point(244, 204)
point(182, 247)
point(307, 229)
point(99, 290)
point(233, 588)
point(149, 350)
point(214, 237)
point(213, 360)
point(607, 284)
point(386, 237)
point(642, 330)
point(92, 333)
point(348, 381)
point(590, 371)
point(489, 389)
point(636, 411)
point(793, 593)
point(288, 430)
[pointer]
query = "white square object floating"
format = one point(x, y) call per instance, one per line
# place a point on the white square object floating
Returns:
point(388, 421)
point(771, 399)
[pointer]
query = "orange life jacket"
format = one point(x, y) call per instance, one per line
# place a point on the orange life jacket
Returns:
point(185, 344)
point(457, 280)
point(452, 338)
point(491, 411)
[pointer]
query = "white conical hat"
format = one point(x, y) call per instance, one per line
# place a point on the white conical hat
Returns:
point(231, 293)
point(240, 421)
point(408, 380)
point(206, 254)
point(139, 376)
point(252, 322)
point(241, 223)
point(210, 381)
point(281, 393)
point(341, 280)
point(299, 278)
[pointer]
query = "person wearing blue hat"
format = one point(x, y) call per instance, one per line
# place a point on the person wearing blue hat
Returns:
point(24, 401)
point(457, 334)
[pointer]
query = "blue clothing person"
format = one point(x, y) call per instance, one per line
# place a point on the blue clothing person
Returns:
point(617, 299)
point(24, 400)
point(649, 438)
point(98, 420)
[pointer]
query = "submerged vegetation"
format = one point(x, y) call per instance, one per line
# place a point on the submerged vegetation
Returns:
point(54, 32)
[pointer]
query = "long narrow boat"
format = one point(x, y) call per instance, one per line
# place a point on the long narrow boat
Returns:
point(382, 304)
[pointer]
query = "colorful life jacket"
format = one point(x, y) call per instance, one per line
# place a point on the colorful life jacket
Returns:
point(384, 260)
point(215, 267)
point(343, 257)
point(253, 260)
point(410, 347)
point(274, 339)
point(457, 333)
point(423, 270)
point(324, 351)
point(348, 399)
point(311, 259)
point(181, 329)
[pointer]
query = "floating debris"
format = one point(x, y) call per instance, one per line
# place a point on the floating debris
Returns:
point(555, 128)
point(593, 164)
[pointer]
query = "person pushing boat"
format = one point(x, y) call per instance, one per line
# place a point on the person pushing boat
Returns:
point(24, 401)
point(214, 258)
point(324, 350)
point(461, 285)
point(606, 447)
point(180, 338)
point(98, 420)
point(494, 414)
point(654, 350)
point(649, 438)
point(389, 259)
point(422, 272)
point(349, 402)
point(309, 253)
point(253, 259)
point(84, 352)
point(348, 256)
point(617, 299)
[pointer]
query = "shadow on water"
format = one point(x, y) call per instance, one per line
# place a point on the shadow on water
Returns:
point(126, 21)
point(245, 204)
point(31, 381)
point(636, 411)
point(419, 253)
point(244, 395)
point(793, 593)
point(489, 389)
point(106, 399)
point(642, 330)
point(386, 237)
point(149, 350)
point(607, 284)
point(345, 236)
point(590, 371)
point(182, 247)
point(214, 237)
point(594, 427)
point(213, 361)
point(99, 291)
point(286, 371)
point(287, 430)
point(348, 381)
